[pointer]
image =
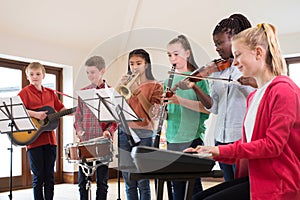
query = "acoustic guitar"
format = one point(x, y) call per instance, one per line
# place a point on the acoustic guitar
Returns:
point(48, 124)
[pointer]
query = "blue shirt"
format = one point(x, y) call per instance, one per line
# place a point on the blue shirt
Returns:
point(229, 104)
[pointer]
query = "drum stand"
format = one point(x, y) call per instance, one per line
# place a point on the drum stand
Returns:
point(89, 172)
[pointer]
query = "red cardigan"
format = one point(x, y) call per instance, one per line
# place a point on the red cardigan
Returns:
point(272, 157)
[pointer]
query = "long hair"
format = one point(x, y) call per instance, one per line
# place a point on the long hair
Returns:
point(186, 45)
point(265, 36)
point(145, 55)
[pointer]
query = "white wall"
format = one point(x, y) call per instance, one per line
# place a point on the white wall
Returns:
point(117, 65)
point(290, 44)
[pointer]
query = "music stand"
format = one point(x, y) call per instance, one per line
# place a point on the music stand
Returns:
point(109, 106)
point(106, 100)
point(13, 118)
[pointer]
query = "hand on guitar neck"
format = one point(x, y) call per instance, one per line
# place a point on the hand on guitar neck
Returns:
point(48, 120)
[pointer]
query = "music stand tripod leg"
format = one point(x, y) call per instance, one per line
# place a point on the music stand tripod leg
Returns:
point(11, 157)
point(13, 106)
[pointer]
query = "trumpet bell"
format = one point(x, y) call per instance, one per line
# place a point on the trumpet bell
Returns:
point(124, 89)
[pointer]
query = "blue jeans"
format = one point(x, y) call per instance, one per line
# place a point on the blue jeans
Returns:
point(228, 170)
point(42, 160)
point(127, 166)
point(101, 181)
point(179, 187)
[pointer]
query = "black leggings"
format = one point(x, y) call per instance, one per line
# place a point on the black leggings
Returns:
point(236, 189)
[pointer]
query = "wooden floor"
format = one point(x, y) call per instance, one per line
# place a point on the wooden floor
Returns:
point(70, 191)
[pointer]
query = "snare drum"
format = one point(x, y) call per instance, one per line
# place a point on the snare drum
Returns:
point(100, 149)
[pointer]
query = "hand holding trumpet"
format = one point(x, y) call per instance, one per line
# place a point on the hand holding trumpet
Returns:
point(129, 85)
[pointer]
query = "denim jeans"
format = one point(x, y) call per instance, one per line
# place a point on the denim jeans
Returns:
point(228, 170)
point(101, 181)
point(42, 160)
point(134, 189)
point(179, 187)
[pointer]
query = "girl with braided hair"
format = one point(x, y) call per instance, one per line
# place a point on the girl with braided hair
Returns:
point(224, 31)
point(227, 101)
point(268, 152)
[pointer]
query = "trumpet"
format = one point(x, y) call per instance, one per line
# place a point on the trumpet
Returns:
point(124, 89)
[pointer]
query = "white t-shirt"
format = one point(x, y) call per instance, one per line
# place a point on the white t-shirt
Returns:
point(252, 111)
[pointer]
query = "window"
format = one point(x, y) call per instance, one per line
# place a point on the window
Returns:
point(9, 87)
point(294, 72)
point(294, 69)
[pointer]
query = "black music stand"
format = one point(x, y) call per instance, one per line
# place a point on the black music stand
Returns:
point(13, 118)
point(109, 106)
point(103, 102)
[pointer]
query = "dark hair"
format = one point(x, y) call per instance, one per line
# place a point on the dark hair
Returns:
point(186, 45)
point(232, 25)
point(145, 55)
point(96, 61)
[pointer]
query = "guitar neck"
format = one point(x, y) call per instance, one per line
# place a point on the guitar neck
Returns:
point(59, 114)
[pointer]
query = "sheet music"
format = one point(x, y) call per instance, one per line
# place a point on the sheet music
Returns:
point(92, 100)
point(19, 113)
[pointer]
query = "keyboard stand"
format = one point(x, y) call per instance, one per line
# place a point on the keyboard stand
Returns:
point(162, 177)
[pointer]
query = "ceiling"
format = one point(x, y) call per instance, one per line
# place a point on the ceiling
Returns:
point(79, 26)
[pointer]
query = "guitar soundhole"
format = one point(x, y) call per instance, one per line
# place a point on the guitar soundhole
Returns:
point(41, 122)
point(45, 121)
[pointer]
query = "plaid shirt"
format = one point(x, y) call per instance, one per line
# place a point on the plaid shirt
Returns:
point(86, 121)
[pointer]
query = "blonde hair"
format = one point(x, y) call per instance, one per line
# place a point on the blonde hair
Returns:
point(35, 65)
point(265, 35)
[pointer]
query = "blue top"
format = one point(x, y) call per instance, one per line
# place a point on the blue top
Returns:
point(229, 104)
